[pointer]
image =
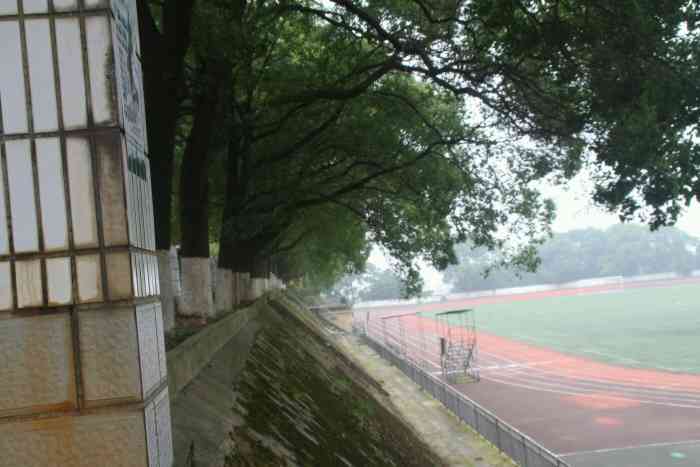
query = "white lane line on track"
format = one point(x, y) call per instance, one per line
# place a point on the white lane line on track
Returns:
point(627, 448)
point(582, 383)
point(637, 363)
point(590, 386)
point(593, 385)
point(498, 357)
point(595, 352)
point(518, 376)
point(509, 366)
point(604, 384)
point(613, 356)
point(574, 393)
point(563, 373)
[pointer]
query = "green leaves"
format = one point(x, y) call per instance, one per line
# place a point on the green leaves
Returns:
point(426, 123)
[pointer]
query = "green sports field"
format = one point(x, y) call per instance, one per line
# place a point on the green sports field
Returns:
point(647, 328)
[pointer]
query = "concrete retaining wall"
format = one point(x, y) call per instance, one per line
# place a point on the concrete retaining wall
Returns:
point(189, 358)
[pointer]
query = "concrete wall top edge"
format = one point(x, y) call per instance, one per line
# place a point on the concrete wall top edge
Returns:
point(187, 359)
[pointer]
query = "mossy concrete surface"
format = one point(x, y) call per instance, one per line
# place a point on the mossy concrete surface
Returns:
point(279, 393)
point(444, 432)
point(449, 437)
point(189, 357)
point(202, 412)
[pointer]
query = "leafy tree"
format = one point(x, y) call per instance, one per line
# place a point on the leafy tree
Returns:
point(360, 155)
point(647, 122)
point(428, 121)
point(332, 244)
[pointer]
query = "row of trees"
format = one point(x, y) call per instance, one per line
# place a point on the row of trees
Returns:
point(621, 250)
point(293, 134)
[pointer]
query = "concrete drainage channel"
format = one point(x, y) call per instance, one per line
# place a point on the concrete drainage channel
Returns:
point(197, 427)
point(189, 358)
point(265, 387)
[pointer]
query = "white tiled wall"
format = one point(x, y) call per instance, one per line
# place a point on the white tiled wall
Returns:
point(58, 182)
point(77, 240)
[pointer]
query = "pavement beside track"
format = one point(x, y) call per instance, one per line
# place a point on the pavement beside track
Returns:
point(454, 441)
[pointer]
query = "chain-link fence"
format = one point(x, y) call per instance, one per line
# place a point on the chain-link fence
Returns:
point(519, 447)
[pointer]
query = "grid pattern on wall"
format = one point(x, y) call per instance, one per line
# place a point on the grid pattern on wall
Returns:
point(76, 213)
point(80, 323)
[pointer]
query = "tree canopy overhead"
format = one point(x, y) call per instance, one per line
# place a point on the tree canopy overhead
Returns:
point(425, 122)
point(615, 80)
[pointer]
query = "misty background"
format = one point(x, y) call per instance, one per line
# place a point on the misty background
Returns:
point(588, 241)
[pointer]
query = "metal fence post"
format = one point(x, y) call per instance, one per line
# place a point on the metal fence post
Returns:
point(498, 435)
point(459, 404)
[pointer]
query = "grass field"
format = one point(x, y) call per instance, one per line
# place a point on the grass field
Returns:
point(645, 328)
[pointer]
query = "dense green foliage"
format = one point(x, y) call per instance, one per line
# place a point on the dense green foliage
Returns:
point(625, 250)
point(427, 123)
point(334, 244)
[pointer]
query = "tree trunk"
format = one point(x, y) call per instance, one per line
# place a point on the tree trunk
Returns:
point(163, 76)
point(196, 300)
point(163, 55)
point(260, 267)
point(240, 255)
point(224, 298)
point(234, 254)
point(237, 256)
point(194, 199)
point(258, 277)
point(169, 273)
point(194, 175)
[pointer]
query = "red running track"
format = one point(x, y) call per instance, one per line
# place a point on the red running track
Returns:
point(573, 404)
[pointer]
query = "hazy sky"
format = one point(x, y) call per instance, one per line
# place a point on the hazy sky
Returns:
point(575, 210)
